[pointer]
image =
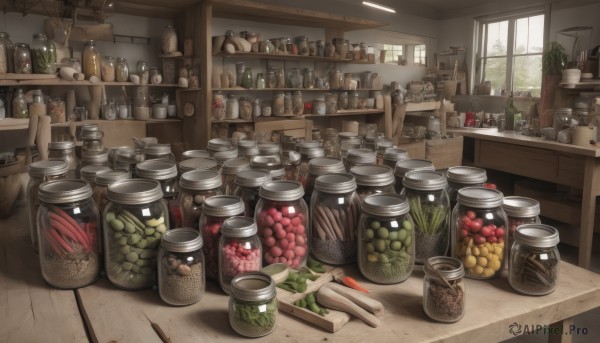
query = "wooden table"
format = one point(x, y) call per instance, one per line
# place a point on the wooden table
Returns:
point(563, 164)
point(33, 312)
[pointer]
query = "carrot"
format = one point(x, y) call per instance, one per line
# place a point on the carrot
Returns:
point(91, 233)
point(66, 229)
point(53, 244)
point(67, 217)
point(61, 241)
point(350, 282)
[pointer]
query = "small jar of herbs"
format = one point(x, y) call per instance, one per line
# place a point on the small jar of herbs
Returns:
point(253, 304)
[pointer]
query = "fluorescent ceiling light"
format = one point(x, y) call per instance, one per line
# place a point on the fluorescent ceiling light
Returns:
point(379, 7)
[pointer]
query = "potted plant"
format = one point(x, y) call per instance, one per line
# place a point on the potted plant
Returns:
point(554, 61)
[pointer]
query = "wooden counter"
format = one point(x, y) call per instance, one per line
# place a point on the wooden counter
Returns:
point(534, 157)
point(33, 312)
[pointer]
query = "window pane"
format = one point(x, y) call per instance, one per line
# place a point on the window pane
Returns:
point(495, 71)
point(521, 36)
point(527, 75)
point(393, 51)
point(529, 35)
point(497, 38)
point(420, 55)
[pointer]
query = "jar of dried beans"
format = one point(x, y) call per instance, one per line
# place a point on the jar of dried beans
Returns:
point(444, 302)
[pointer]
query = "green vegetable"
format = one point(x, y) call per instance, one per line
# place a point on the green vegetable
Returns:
point(315, 265)
point(430, 219)
point(309, 302)
point(310, 298)
point(256, 315)
point(296, 280)
point(375, 225)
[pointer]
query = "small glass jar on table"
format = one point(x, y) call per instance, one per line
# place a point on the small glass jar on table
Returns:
point(195, 187)
point(247, 186)
point(463, 176)
point(65, 151)
point(102, 181)
point(520, 211)
point(404, 166)
point(229, 171)
point(444, 302)
point(253, 293)
point(373, 179)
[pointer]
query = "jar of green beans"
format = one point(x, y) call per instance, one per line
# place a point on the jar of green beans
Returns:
point(43, 54)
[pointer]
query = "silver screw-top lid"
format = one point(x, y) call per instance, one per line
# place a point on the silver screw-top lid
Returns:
point(200, 180)
point(266, 162)
point(91, 132)
point(277, 174)
point(198, 163)
point(134, 191)
point(383, 144)
point(291, 157)
point(521, 207)
point(126, 154)
point(156, 170)
point(536, 235)
point(361, 156)
point(373, 175)
point(449, 267)
point(61, 145)
point(235, 165)
point(325, 165)
point(385, 205)
point(466, 175)
point(158, 149)
point(348, 135)
point(336, 183)
point(94, 158)
point(90, 127)
point(224, 155)
point(479, 197)
point(247, 143)
point(424, 180)
point(64, 191)
point(51, 167)
point(181, 240)
point(219, 144)
point(186, 155)
point(252, 178)
point(239, 227)
point(312, 152)
point(308, 145)
point(395, 155)
point(223, 206)
point(88, 173)
point(105, 178)
point(253, 286)
point(404, 166)
point(247, 148)
point(267, 148)
point(281, 190)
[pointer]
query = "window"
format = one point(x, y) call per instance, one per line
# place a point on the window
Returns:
point(510, 51)
point(394, 53)
point(420, 54)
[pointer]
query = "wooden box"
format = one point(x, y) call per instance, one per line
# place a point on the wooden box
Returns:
point(444, 153)
point(416, 150)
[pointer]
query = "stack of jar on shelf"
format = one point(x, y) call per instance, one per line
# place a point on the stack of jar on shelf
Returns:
point(225, 212)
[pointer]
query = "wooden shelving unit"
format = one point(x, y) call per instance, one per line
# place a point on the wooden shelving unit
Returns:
point(287, 57)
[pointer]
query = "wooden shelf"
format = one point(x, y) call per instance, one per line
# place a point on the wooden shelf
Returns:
point(232, 121)
point(343, 113)
point(422, 106)
point(240, 89)
point(53, 80)
point(287, 57)
point(10, 124)
point(584, 84)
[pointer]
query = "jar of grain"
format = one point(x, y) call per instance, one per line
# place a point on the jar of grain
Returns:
point(122, 70)
point(56, 110)
point(91, 60)
point(108, 69)
point(65, 151)
point(288, 103)
point(253, 292)
point(444, 302)
point(68, 225)
point(195, 187)
point(181, 276)
point(240, 250)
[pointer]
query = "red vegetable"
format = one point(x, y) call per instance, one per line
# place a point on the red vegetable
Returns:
point(350, 282)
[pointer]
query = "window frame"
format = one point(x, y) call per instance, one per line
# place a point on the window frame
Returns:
point(394, 56)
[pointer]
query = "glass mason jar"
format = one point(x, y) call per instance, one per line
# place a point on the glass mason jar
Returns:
point(359, 157)
point(68, 227)
point(169, 40)
point(94, 159)
point(404, 166)
point(56, 110)
point(65, 151)
point(290, 161)
point(248, 79)
point(373, 179)
point(386, 253)
point(353, 144)
point(43, 54)
point(91, 135)
point(319, 107)
point(102, 181)
point(88, 173)
point(245, 108)
point(126, 159)
point(334, 209)
point(230, 169)
point(479, 232)
point(6, 53)
point(122, 70)
point(195, 187)
point(520, 210)
point(295, 78)
point(320, 166)
point(534, 262)
point(303, 45)
point(260, 81)
point(331, 144)
point(297, 103)
point(256, 108)
point(141, 103)
point(426, 193)
point(22, 59)
point(186, 155)
point(270, 80)
point(288, 103)
point(306, 155)
point(90, 58)
point(440, 302)
point(199, 163)
point(336, 79)
point(214, 212)
point(460, 177)
point(143, 72)
point(181, 278)
point(391, 156)
point(309, 78)
point(41, 171)
point(160, 152)
point(269, 149)
point(108, 69)
point(240, 250)
point(19, 105)
point(225, 155)
point(135, 219)
point(164, 172)
point(331, 100)
point(353, 101)
point(232, 108)
point(74, 63)
point(278, 107)
point(342, 101)
point(283, 223)
point(247, 149)
point(253, 304)
point(247, 186)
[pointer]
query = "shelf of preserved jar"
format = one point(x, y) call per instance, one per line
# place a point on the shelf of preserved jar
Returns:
point(55, 81)
point(291, 57)
point(10, 124)
point(233, 121)
point(240, 89)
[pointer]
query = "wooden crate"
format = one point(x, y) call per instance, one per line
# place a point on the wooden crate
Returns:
point(416, 150)
point(444, 153)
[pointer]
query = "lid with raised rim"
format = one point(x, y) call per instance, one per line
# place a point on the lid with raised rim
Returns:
point(480, 197)
point(395, 154)
point(466, 175)
point(281, 190)
point(537, 235)
point(186, 155)
point(134, 191)
point(252, 178)
point(253, 286)
point(223, 206)
point(424, 180)
point(61, 145)
point(51, 167)
point(235, 165)
point(404, 166)
point(239, 227)
point(64, 191)
point(181, 240)
point(373, 175)
point(336, 183)
point(105, 178)
point(200, 180)
point(198, 163)
point(385, 205)
point(269, 148)
point(521, 207)
point(88, 173)
point(158, 149)
point(325, 165)
point(156, 170)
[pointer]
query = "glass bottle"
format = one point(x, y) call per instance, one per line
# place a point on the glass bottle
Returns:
point(108, 69)
point(462, 176)
point(6, 54)
point(270, 80)
point(280, 209)
point(280, 78)
point(331, 100)
point(511, 113)
point(229, 171)
point(297, 103)
point(135, 218)
point(520, 211)
point(56, 110)
point(199, 163)
point(43, 54)
point(214, 212)
point(65, 151)
point(303, 46)
point(245, 108)
point(257, 108)
point(391, 156)
point(331, 144)
point(68, 225)
point(109, 111)
point(181, 277)
point(248, 79)
point(253, 292)
point(88, 173)
point(22, 59)
point(39, 172)
point(440, 302)
point(479, 225)
point(240, 250)
point(309, 78)
point(288, 103)
point(232, 108)
point(91, 60)
point(122, 70)
point(195, 187)
point(373, 179)
point(405, 166)
point(426, 193)
point(534, 263)
point(19, 105)
point(164, 172)
point(102, 181)
point(247, 186)
point(386, 253)
point(143, 72)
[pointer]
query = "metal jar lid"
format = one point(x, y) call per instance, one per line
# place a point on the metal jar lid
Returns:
point(521, 207)
point(253, 286)
point(198, 163)
point(88, 173)
point(94, 158)
point(373, 175)
point(134, 191)
point(424, 180)
point(247, 148)
point(235, 165)
point(385, 205)
point(361, 158)
point(158, 149)
point(223, 206)
point(239, 227)
point(308, 145)
point(281, 190)
point(466, 175)
point(50, 167)
point(224, 155)
point(91, 135)
point(277, 173)
point(449, 267)
point(181, 240)
point(269, 149)
point(348, 135)
point(200, 180)
point(402, 167)
point(186, 155)
point(66, 145)
point(336, 183)
point(325, 165)
point(126, 154)
point(480, 197)
point(266, 162)
point(252, 178)
point(105, 178)
point(536, 235)
point(156, 170)
point(219, 144)
point(310, 153)
point(247, 143)
point(395, 154)
point(64, 191)
point(384, 143)
point(89, 128)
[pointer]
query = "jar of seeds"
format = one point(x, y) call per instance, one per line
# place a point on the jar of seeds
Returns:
point(404, 166)
point(253, 305)
point(195, 187)
point(247, 185)
point(444, 289)
point(181, 279)
point(240, 250)
point(373, 179)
